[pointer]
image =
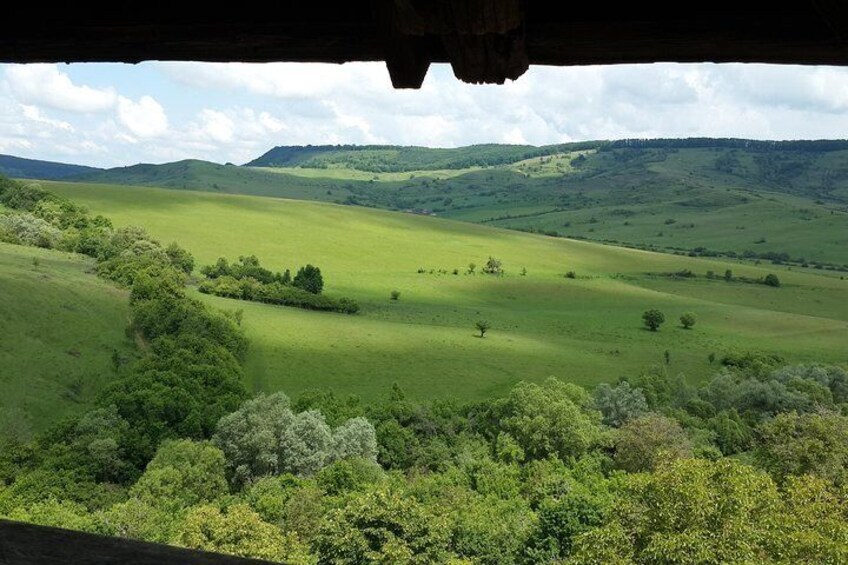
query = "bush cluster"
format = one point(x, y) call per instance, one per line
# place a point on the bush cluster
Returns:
point(248, 280)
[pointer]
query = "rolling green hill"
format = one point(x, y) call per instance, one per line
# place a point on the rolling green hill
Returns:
point(21, 168)
point(586, 329)
point(394, 158)
point(777, 201)
point(60, 329)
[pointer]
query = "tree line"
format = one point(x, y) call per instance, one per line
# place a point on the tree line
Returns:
point(248, 280)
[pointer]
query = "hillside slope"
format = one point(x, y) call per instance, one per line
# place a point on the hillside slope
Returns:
point(785, 201)
point(61, 328)
point(586, 329)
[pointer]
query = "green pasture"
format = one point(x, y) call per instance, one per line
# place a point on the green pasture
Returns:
point(61, 331)
point(586, 329)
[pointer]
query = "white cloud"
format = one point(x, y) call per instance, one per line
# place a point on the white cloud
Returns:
point(145, 118)
point(234, 112)
point(45, 85)
point(34, 114)
point(217, 125)
point(280, 80)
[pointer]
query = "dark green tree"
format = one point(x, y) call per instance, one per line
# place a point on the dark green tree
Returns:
point(687, 319)
point(482, 327)
point(771, 280)
point(181, 259)
point(309, 278)
point(653, 319)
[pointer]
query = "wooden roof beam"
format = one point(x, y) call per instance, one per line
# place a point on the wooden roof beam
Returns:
point(483, 40)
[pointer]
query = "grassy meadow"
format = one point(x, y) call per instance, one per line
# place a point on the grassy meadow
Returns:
point(748, 197)
point(587, 329)
point(60, 326)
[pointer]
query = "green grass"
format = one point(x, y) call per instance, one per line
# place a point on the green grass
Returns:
point(59, 328)
point(737, 199)
point(585, 330)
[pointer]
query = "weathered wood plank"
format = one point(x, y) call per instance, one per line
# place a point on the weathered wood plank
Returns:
point(27, 544)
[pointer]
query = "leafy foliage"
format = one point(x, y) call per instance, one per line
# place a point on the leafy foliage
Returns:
point(619, 404)
point(276, 293)
point(183, 473)
point(653, 319)
point(550, 419)
point(240, 531)
point(771, 280)
point(482, 326)
point(265, 437)
point(383, 526)
point(800, 444)
point(309, 278)
point(646, 442)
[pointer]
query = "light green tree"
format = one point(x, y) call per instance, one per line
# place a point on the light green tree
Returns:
point(798, 444)
point(383, 526)
point(238, 530)
point(183, 473)
point(687, 319)
point(551, 419)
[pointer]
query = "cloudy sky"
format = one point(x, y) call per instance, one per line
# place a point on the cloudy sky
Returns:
point(111, 115)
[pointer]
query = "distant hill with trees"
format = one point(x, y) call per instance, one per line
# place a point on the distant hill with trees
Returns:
point(775, 201)
point(18, 167)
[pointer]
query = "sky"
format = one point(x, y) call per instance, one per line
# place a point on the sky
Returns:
point(109, 115)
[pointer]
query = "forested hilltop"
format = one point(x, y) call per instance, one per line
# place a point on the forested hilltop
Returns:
point(749, 466)
point(774, 201)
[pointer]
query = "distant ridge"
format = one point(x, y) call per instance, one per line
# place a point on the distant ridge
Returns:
point(702, 196)
point(398, 158)
point(18, 167)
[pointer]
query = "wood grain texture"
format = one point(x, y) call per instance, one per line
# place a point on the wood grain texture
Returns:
point(27, 544)
point(485, 40)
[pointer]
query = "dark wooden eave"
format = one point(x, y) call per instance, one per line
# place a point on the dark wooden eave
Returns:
point(27, 544)
point(480, 38)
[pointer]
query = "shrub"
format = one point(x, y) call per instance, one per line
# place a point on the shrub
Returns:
point(309, 279)
point(687, 319)
point(23, 196)
point(653, 319)
point(276, 293)
point(395, 294)
point(771, 280)
point(26, 229)
point(493, 267)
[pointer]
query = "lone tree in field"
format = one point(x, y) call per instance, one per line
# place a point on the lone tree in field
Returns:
point(471, 268)
point(728, 275)
point(493, 267)
point(653, 319)
point(309, 278)
point(395, 294)
point(771, 280)
point(482, 327)
point(687, 320)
